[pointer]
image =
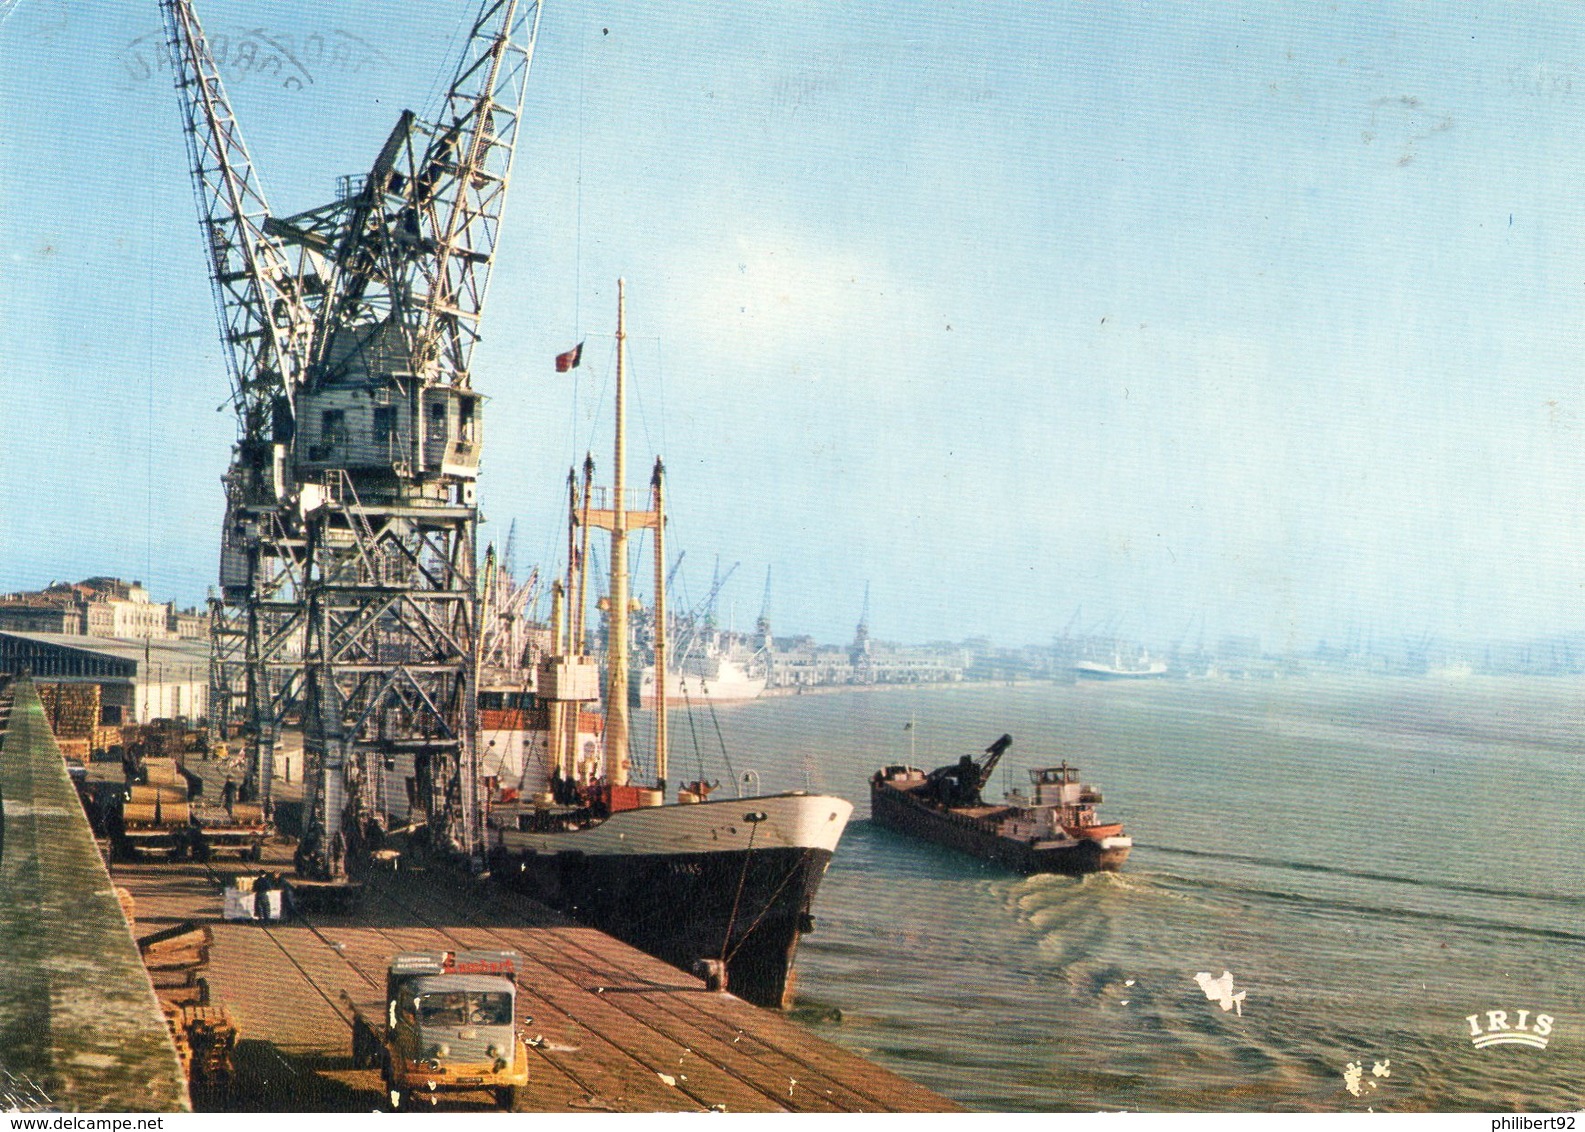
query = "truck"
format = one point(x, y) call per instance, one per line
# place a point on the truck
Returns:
point(242, 829)
point(150, 819)
point(448, 1025)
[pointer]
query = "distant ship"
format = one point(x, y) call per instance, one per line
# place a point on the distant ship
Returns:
point(1142, 669)
point(1056, 830)
point(711, 677)
point(724, 888)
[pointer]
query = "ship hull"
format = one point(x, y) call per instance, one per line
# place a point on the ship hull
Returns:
point(692, 882)
point(732, 685)
point(902, 812)
point(1090, 671)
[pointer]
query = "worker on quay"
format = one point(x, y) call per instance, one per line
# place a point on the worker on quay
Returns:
point(228, 794)
point(261, 896)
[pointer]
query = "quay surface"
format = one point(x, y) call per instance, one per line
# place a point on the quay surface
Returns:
point(80, 1029)
point(614, 1029)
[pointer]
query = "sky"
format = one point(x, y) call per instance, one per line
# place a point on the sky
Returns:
point(1181, 319)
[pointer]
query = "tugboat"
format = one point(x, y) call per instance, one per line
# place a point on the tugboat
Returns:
point(1054, 830)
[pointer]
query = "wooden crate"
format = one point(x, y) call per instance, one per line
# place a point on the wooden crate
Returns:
point(71, 709)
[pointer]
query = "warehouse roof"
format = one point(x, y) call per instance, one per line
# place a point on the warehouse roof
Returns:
point(103, 656)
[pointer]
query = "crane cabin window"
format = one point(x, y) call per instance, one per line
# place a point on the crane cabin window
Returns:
point(384, 424)
point(333, 427)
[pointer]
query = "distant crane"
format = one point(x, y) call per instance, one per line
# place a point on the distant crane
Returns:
point(504, 603)
point(696, 629)
point(762, 622)
point(859, 653)
point(676, 564)
point(348, 558)
point(718, 582)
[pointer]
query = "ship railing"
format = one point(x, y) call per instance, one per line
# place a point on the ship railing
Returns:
point(633, 498)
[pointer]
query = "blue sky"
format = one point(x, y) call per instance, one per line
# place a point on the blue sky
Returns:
point(1260, 317)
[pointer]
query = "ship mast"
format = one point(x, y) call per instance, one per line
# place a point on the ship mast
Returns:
point(616, 744)
point(657, 487)
point(619, 521)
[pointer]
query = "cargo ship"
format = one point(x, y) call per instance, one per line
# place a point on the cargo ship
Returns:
point(1143, 668)
point(710, 677)
point(723, 888)
point(1053, 829)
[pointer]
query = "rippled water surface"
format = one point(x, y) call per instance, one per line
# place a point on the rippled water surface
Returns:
point(1372, 862)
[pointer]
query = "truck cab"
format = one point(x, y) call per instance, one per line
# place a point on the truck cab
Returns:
point(449, 1026)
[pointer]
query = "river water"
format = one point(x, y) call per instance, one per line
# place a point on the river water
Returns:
point(1370, 861)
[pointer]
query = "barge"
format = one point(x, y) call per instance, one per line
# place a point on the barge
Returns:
point(1053, 829)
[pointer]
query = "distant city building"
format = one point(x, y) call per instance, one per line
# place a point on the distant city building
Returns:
point(799, 662)
point(26, 618)
point(99, 607)
point(188, 624)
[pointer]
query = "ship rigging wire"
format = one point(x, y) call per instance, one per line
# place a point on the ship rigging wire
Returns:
point(769, 903)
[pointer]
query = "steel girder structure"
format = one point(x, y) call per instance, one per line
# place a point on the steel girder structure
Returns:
point(264, 299)
point(256, 637)
point(390, 672)
point(391, 665)
point(348, 559)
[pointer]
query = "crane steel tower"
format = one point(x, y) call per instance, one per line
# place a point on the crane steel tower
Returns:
point(263, 294)
point(349, 595)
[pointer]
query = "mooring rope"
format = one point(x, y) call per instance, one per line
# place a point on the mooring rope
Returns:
point(742, 879)
point(769, 904)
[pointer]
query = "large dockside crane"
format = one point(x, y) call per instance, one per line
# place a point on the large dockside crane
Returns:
point(349, 597)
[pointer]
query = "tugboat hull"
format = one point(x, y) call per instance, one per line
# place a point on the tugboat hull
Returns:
point(903, 812)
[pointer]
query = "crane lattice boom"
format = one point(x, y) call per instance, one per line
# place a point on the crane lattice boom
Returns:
point(349, 571)
point(259, 288)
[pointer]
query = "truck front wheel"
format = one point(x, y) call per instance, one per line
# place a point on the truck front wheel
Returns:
point(506, 1098)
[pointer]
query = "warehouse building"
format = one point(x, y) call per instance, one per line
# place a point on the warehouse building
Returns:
point(137, 681)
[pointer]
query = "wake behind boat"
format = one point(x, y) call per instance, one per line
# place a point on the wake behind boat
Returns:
point(725, 888)
point(1054, 830)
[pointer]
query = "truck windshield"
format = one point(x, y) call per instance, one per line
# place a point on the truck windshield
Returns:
point(465, 1008)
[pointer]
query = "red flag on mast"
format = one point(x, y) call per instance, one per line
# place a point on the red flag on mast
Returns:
point(570, 359)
